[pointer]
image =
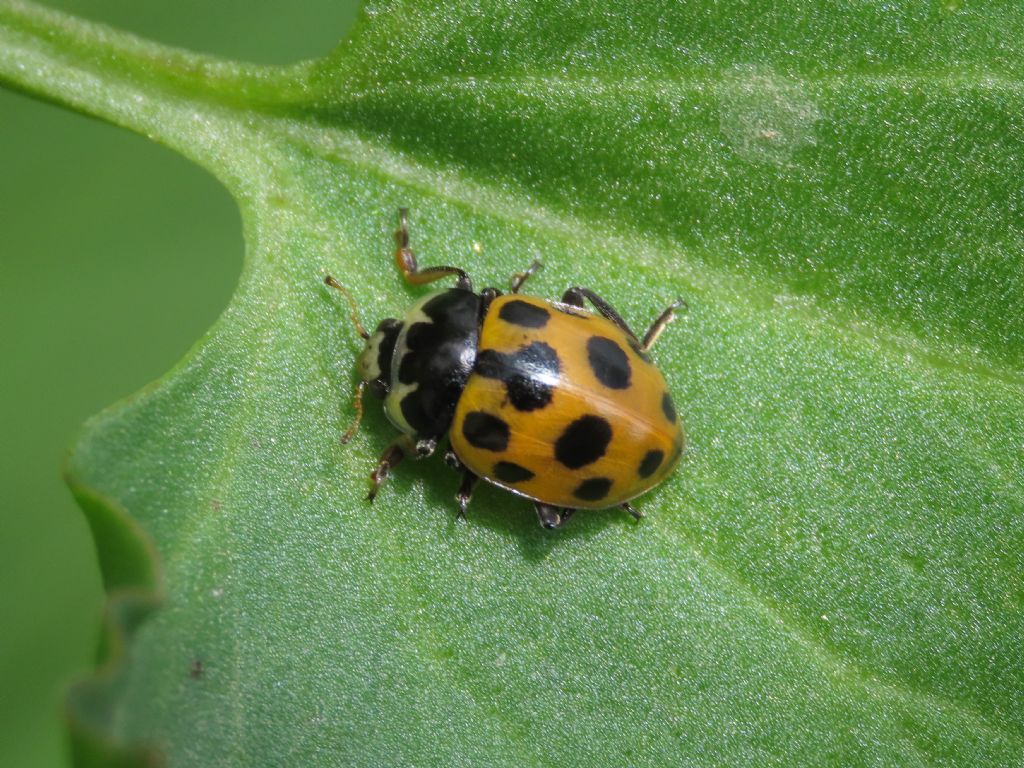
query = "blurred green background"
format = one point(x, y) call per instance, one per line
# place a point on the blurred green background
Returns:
point(115, 256)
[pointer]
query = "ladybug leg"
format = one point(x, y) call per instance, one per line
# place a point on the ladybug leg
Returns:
point(636, 513)
point(425, 447)
point(575, 296)
point(521, 277)
point(451, 459)
point(390, 459)
point(487, 295)
point(465, 491)
point(551, 516)
point(663, 320)
point(469, 480)
point(405, 260)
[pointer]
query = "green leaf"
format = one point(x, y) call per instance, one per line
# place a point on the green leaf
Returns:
point(834, 575)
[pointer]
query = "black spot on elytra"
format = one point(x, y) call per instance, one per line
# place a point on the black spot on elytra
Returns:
point(650, 463)
point(608, 362)
point(523, 313)
point(668, 407)
point(510, 472)
point(583, 442)
point(529, 374)
point(485, 431)
point(594, 489)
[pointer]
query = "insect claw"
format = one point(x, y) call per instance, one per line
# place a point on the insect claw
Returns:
point(636, 513)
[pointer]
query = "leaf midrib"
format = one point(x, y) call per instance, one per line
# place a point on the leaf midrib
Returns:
point(687, 81)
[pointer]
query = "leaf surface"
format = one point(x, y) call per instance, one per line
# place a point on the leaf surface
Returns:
point(835, 574)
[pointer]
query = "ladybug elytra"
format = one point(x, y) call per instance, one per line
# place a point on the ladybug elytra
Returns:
point(546, 399)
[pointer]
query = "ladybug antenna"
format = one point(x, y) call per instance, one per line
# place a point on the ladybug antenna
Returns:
point(351, 303)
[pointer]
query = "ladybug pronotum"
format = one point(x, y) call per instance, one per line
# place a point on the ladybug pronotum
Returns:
point(543, 398)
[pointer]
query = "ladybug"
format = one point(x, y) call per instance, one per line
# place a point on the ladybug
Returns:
point(545, 399)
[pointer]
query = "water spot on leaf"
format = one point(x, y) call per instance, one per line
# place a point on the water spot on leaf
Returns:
point(765, 116)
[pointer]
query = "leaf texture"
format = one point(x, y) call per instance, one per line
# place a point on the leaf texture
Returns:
point(834, 575)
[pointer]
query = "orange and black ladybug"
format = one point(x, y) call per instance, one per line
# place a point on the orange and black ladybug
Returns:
point(543, 398)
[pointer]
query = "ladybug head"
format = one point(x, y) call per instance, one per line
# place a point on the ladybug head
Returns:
point(374, 363)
